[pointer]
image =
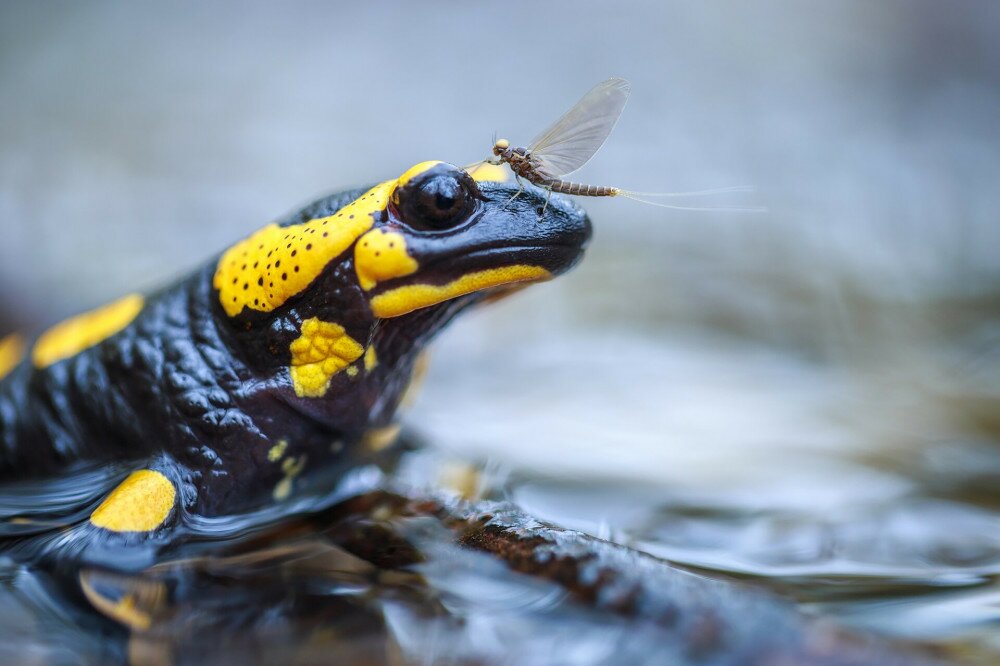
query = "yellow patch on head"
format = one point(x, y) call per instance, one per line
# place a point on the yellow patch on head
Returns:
point(265, 270)
point(72, 336)
point(323, 350)
point(401, 300)
point(486, 173)
point(11, 352)
point(140, 503)
point(381, 255)
point(415, 171)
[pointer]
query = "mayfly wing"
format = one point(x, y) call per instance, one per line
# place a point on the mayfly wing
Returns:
point(573, 139)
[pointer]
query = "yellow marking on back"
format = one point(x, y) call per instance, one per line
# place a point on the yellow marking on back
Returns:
point(140, 503)
point(401, 300)
point(12, 349)
point(72, 336)
point(381, 255)
point(275, 452)
point(371, 359)
point(323, 350)
point(265, 270)
point(489, 173)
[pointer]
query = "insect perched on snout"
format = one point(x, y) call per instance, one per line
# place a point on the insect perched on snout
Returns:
point(572, 140)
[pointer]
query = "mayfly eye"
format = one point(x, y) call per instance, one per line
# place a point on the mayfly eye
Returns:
point(441, 198)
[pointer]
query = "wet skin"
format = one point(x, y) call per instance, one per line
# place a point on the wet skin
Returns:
point(280, 364)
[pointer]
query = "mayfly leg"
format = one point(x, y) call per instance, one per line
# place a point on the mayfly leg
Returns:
point(520, 190)
point(548, 195)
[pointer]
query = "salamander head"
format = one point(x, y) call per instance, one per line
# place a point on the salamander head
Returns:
point(362, 282)
point(444, 235)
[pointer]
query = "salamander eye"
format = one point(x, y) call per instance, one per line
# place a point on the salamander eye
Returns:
point(440, 198)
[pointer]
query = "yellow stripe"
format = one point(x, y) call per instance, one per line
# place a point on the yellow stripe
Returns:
point(72, 336)
point(402, 300)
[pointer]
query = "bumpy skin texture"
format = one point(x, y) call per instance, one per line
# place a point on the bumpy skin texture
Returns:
point(204, 397)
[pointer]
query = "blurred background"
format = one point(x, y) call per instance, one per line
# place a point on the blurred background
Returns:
point(807, 397)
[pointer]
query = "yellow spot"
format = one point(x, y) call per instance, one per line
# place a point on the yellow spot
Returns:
point(377, 439)
point(140, 503)
point(265, 270)
point(352, 371)
point(371, 360)
point(381, 255)
point(292, 466)
point(401, 300)
point(487, 172)
point(11, 352)
point(275, 452)
point(291, 469)
point(73, 335)
point(323, 350)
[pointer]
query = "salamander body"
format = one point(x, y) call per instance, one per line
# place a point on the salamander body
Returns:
point(278, 365)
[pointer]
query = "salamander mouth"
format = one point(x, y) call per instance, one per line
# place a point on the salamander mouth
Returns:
point(554, 257)
point(484, 269)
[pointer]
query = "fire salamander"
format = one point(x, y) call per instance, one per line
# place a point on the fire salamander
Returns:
point(270, 371)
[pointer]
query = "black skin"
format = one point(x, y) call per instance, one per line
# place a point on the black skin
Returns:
point(202, 397)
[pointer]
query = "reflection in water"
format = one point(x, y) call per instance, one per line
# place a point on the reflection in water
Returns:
point(403, 576)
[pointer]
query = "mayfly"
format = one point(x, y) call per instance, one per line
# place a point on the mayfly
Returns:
point(572, 140)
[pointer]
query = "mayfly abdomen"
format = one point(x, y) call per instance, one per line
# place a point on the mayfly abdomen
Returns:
point(579, 189)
